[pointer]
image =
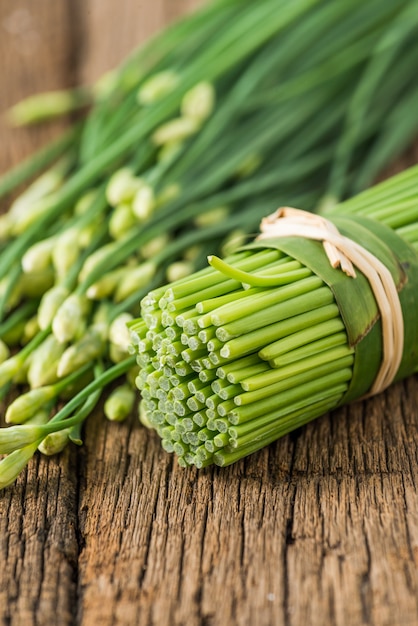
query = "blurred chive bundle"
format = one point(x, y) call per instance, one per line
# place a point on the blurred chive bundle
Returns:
point(232, 111)
point(241, 353)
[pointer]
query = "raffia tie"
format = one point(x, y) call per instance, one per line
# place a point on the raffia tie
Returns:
point(345, 253)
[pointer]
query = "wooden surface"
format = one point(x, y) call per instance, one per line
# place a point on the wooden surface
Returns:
point(319, 529)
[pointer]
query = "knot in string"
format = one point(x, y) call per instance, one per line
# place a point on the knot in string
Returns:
point(346, 254)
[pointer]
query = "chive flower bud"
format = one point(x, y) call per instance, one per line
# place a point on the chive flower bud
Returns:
point(44, 185)
point(144, 416)
point(214, 216)
point(38, 257)
point(14, 463)
point(175, 130)
point(49, 305)
point(233, 241)
point(157, 87)
point(119, 404)
point(179, 269)
point(69, 317)
point(121, 221)
point(88, 232)
point(122, 186)
point(169, 150)
point(21, 377)
point(9, 369)
point(192, 252)
point(35, 284)
point(144, 203)
point(13, 296)
point(116, 354)
point(26, 405)
point(16, 437)
point(44, 363)
point(66, 251)
point(106, 285)
point(4, 352)
point(30, 330)
point(87, 349)
point(54, 443)
point(198, 103)
point(35, 212)
point(85, 202)
point(105, 85)
point(155, 246)
point(47, 105)
point(135, 279)
point(119, 334)
point(95, 259)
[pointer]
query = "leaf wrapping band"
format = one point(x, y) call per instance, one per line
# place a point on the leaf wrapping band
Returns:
point(378, 303)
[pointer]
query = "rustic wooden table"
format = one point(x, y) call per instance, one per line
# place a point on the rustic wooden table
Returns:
point(319, 529)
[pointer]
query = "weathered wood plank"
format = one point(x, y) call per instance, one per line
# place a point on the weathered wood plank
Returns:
point(320, 528)
point(38, 516)
point(36, 55)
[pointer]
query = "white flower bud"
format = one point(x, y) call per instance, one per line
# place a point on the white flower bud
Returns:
point(213, 216)
point(88, 232)
point(233, 241)
point(26, 405)
point(157, 87)
point(122, 186)
point(119, 333)
point(144, 203)
point(16, 437)
point(38, 256)
point(120, 403)
point(49, 305)
point(143, 416)
point(31, 329)
point(116, 355)
point(199, 102)
point(14, 463)
point(69, 317)
point(155, 246)
point(121, 221)
point(87, 349)
point(35, 284)
point(44, 363)
point(35, 212)
point(55, 442)
point(179, 269)
point(66, 251)
point(85, 201)
point(38, 190)
point(9, 369)
point(105, 85)
point(95, 259)
point(137, 278)
point(175, 130)
point(106, 285)
point(4, 352)
point(169, 151)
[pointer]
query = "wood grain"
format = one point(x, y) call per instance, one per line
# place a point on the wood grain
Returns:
point(319, 528)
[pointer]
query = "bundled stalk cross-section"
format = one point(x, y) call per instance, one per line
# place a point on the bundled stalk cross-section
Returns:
point(241, 353)
point(227, 114)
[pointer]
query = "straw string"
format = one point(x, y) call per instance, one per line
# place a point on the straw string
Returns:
point(346, 254)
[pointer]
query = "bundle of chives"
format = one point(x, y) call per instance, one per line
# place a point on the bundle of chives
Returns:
point(229, 112)
point(242, 353)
